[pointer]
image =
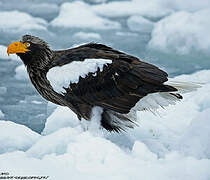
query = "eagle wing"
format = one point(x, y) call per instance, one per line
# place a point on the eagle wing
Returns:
point(117, 87)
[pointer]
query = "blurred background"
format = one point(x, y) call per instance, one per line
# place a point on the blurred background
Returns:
point(174, 35)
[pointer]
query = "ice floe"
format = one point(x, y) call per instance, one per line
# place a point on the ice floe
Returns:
point(21, 72)
point(80, 15)
point(182, 33)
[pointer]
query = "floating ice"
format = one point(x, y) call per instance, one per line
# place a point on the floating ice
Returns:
point(1, 114)
point(68, 119)
point(4, 55)
point(152, 8)
point(80, 15)
point(35, 8)
point(182, 33)
point(15, 21)
point(21, 73)
point(138, 23)
point(87, 36)
point(15, 137)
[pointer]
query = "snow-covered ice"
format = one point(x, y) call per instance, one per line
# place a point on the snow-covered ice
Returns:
point(87, 36)
point(68, 119)
point(1, 114)
point(71, 17)
point(151, 9)
point(182, 33)
point(172, 146)
point(60, 77)
point(4, 55)
point(14, 137)
point(15, 21)
point(139, 23)
point(21, 73)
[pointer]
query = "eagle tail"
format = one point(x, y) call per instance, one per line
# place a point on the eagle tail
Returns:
point(184, 87)
point(154, 101)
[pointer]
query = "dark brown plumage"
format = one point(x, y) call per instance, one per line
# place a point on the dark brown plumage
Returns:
point(116, 89)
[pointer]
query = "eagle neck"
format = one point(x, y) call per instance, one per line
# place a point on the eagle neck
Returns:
point(38, 60)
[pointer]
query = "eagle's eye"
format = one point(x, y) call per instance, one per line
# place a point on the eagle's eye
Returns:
point(27, 44)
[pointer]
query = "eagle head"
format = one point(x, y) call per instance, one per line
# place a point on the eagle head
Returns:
point(32, 50)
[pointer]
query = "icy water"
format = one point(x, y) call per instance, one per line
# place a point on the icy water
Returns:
point(20, 102)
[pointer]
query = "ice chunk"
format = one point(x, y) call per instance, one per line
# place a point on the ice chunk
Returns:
point(56, 142)
point(60, 118)
point(188, 5)
point(138, 23)
point(195, 141)
point(15, 21)
point(173, 146)
point(15, 137)
point(140, 150)
point(182, 33)
point(35, 8)
point(87, 36)
point(1, 114)
point(152, 8)
point(4, 55)
point(79, 15)
point(21, 73)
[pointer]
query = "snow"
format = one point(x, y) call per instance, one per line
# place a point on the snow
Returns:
point(188, 5)
point(4, 55)
point(151, 9)
point(15, 21)
point(174, 145)
point(60, 77)
point(21, 73)
point(35, 8)
point(1, 114)
point(68, 119)
point(191, 143)
point(71, 17)
point(182, 33)
point(14, 137)
point(87, 36)
point(139, 23)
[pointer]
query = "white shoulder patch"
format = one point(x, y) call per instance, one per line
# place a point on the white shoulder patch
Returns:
point(62, 76)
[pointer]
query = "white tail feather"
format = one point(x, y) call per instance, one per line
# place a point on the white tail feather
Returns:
point(184, 87)
point(154, 101)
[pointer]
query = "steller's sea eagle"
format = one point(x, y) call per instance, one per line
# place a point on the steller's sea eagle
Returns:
point(95, 76)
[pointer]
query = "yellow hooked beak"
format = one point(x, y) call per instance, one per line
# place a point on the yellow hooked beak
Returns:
point(17, 47)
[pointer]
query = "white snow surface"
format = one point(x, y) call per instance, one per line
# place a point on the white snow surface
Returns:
point(62, 76)
point(174, 145)
point(182, 33)
point(1, 114)
point(80, 15)
point(4, 55)
point(21, 72)
point(87, 36)
point(15, 137)
point(15, 21)
point(151, 9)
point(139, 23)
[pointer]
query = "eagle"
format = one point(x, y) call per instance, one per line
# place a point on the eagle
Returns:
point(96, 80)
